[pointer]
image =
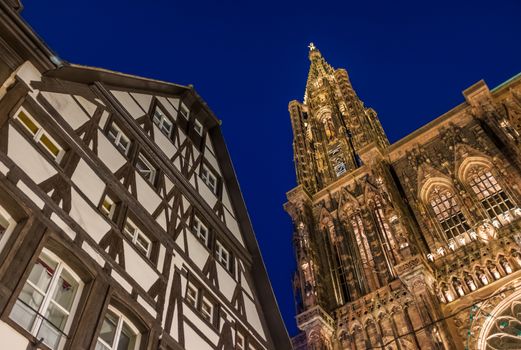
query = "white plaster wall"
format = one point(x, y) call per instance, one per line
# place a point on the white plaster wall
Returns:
point(164, 143)
point(206, 193)
point(245, 285)
point(201, 326)
point(89, 219)
point(29, 193)
point(108, 154)
point(197, 252)
point(128, 103)
point(146, 195)
point(143, 100)
point(11, 339)
point(253, 317)
point(209, 145)
point(168, 107)
point(88, 182)
point(93, 254)
point(67, 107)
point(86, 104)
point(27, 158)
point(212, 160)
point(231, 223)
point(122, 281)
point(226, 200)
point(174, 101)
point(61, 224)
point(28, 73)
point(168, 184)
point(161, 220)
point(147, 306)
point(226, 282)
point(138, 269)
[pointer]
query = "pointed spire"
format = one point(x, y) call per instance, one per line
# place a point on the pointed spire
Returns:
point(319, 68)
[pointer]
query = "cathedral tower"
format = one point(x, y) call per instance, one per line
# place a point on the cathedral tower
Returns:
point(375, 249)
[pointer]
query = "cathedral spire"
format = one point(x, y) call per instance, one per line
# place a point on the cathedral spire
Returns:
point(331, 127)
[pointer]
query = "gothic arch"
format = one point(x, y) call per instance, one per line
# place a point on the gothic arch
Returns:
point(468, 163)
point(430, 183)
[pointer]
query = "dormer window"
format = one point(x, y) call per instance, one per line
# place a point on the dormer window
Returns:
point(222, 255)
point(183, 110)
point(40, 136)
point(118, 138)
point(162, 122)
point(108, 206)
point(200, 230)
point(209, 178)
point(138, 238)
point(198, 127)
point(146, 169)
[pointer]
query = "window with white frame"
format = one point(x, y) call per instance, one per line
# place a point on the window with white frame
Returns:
point(207, 309)
point(448, 213)
point(490, 194)
point(39, 135)
point(138, 238)
point(222, 255)
point(146, 169)
point(162, 122)
point(48, 300)
point(118, 138)
point(108, 206)
point(198, 127)
point(191, 294)
point(209, 178)
point(117, 332)
point(7, 225)
point(200, 230)
point(183, 110)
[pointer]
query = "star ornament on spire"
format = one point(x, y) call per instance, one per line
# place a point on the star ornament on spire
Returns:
point(312, 47)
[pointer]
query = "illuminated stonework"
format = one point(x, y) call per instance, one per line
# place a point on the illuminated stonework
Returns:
point(411, 245)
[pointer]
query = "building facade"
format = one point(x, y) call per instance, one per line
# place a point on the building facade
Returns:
point(122, 225)
point(414, 245)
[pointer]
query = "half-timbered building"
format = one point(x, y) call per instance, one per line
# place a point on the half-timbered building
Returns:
point(122, 225)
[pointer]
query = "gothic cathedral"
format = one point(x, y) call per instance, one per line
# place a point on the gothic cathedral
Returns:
point(411, 245)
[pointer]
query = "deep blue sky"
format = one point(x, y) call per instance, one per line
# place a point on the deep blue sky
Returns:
point(408, 60)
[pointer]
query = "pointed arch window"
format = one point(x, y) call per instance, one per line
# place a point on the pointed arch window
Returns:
point(490, 193)
point(448, 212)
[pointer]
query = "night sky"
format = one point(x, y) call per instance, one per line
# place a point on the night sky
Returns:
point(408, 60)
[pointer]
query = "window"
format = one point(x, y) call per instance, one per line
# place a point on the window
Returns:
point(48, 300)
point(490, 194)
point(198, 127)
point(200, 230)
point(146, 169)
point(162, 122)
point(118, 138)
point(4, 224)
point(184, 111)
point(207, 310)
point(209, 178)
point(40, 136)
point(448, 213)
point(239, 341)
point(117, 333)
point(222, 255)
point(108, 207)
point(191, 295)
point(137, 237)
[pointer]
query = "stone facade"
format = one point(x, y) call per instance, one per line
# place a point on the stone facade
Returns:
point(122, 225)
point(414, 245)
